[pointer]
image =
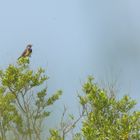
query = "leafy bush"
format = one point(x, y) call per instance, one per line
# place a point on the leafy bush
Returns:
point(23, 108)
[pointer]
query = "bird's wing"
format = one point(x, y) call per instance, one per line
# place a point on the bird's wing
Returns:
point(27, 52)
point(24, 53)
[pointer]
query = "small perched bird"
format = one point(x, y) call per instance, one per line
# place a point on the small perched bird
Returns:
point(27, 52)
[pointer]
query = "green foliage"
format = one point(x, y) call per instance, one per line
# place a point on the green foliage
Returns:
point(55, 97)
point(108, 118)
point(55, 135)
point(22, 108)
point(8, 112)
point(78, 136)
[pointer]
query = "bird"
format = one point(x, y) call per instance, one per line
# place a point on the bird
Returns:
point(27, 52)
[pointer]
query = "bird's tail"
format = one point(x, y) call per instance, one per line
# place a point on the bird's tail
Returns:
point(19, 57)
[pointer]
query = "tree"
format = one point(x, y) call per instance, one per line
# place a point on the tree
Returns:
point(24, 106)
point(24, 102)
point(106, 117)
point(103, 117)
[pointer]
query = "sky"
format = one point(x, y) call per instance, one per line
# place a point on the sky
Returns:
point(73, 39)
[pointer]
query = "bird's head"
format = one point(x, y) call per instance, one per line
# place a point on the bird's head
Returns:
point(29, 46)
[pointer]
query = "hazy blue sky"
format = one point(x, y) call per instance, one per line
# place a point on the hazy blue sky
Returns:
point(73, 39)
